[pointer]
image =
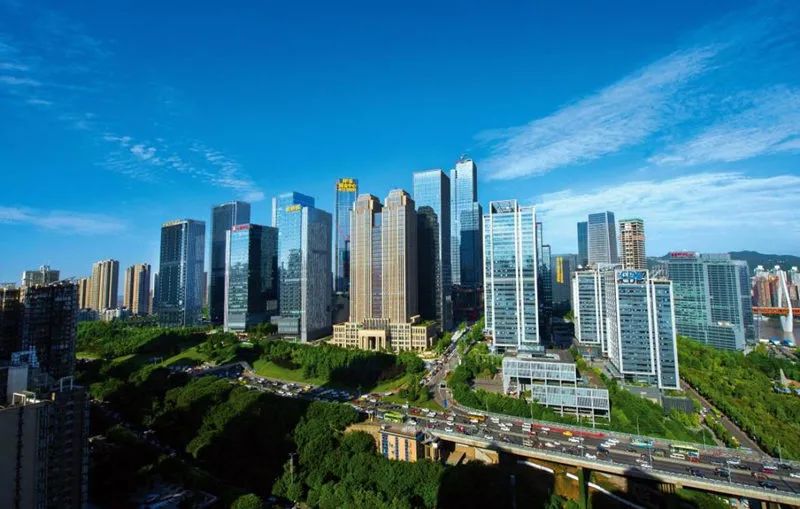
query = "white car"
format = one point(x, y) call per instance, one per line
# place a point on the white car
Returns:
point(549, 444)
point(574, 440)
point(590, 456)
point(795, 475)
point(488, 437)
point(449, 430)
point(412, 422)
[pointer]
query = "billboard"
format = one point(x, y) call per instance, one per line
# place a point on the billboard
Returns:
point(631, 276)
point(347, 185)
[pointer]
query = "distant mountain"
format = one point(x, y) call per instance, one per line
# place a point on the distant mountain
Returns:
point(754, 258)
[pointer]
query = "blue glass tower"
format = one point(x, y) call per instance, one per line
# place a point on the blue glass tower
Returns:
point(304, 266)
point(346, 193)
point(466, 225)
point(180, 273)
point(223, 217)
point(432, 196)
point(251, 281)
point(510, 266)
point(583, 244)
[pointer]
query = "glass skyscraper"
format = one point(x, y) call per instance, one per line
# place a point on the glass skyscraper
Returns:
point(432, 196)
point(180, 272)
point(583, 243)
point(712, 298)
point(222, 218)
point(346, 193)
point(251, 280)
point(304, 266)
point(466, 224)
point(602, 238)
point(509, 276)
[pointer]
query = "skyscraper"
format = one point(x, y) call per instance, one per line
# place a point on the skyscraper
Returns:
point(365, 218)
point(180, 272)
point(631, 239)
point(641, 335)
point(509, 277)
point(85, 293)
point(712, 298)
point(384, 278)
point(49, 326)
point(602, 238)
point(251, 280)
point(223, 216)
point(399, 263)
point(346, 192)
point(44, 276)
point(432, 197)
point(105, 285)
point(583, 243)
point(563, 266)
point(137, 289)
point(304, 266)
point(466, 223)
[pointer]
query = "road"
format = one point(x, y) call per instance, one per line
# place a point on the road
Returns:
point(721, 465)
point(736, 431)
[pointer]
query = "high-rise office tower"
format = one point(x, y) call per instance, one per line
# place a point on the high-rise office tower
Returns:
point(43, 276)
point(399, 262)
point(563, 266)
point(588, 307)
point(251, 280)
point(137, 289)
point(384, 278)
point(304, 266)
point(466, 223)
point(712, 298)
point(85, 293)
point(105, 284)
point(631, 240)
point(223, 216)
point(509, 277)
point(365, 218)
point(346, 192)
point(49, 326)
point(180, 272)
point(10, 322)
point(583, 244)
point(640, 334)
point(432, 197)
point(602, 238)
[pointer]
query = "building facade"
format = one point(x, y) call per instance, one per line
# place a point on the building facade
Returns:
point(399, 262)
point(304, 267)
point(631, 240)
point(510, 279)
point(466, 240)
point(432, 198)
point(602, 238)
point(223, 217)
point(49, 326)
point(563, 266)
point(641, 333)
point(136, 297)
point(365, 258)
point(251, 277)
point(180, 272)
point(583, 244)
point(105, 285)
point(43, 276)
point(346, 193)
point(712, 298)
point(85, 293)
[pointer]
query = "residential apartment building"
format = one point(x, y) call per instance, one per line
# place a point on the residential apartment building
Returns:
point(136, 295)
point(631, 240)
point(105, 285)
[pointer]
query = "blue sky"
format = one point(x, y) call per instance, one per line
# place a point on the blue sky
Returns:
point(118, 116)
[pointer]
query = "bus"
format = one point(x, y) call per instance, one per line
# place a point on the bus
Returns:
point(476, 418)
point(393, 417)
point(642, 442)
point(687, 450)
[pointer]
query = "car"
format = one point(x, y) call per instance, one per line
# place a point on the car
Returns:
point(488, 437)
point(567, 433)
point(545, 429)
point(574, 440)
point(549, 445)
point(590, 456)
point(768, 485)
point(677, 456)
point(769, 469)
point(794, 475)
point(412, 422)
point(722, 472)
point(696, 472)
point(449, 429)
point(646, 465)
point(733, 461)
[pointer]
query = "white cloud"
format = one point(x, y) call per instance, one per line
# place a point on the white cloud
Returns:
point(622, 115)
point(766, 122)
point(229, 174)
point(16, 81)
point(61, 221)
point(12, 66)
point(39, 102)
point(143, 152)
point(717, 211)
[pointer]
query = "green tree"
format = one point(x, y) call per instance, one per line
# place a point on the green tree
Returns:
point(249, 501)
